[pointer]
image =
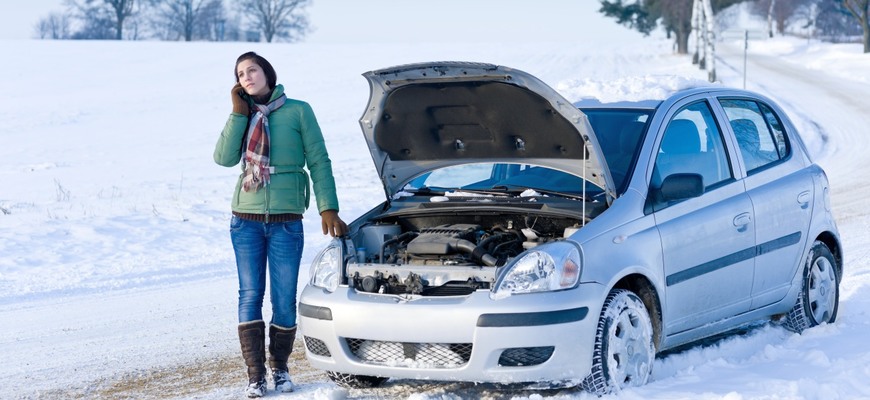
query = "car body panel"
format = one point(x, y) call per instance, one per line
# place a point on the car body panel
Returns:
point(719, 259)
point(783, 209)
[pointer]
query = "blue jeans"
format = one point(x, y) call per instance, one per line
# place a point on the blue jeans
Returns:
point(279, 245)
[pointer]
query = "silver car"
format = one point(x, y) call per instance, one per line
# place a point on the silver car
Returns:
point(528, 239)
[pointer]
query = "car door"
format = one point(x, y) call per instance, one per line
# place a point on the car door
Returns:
point(708, 242)
point(781, 192)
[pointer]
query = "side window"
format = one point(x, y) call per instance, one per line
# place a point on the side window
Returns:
point(758, 131)
point(693, 143)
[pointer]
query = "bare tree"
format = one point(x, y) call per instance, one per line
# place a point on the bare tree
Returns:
point(54, 26)
point(213, 22)
point(833, 23)
point(117, 11)
point(677, 18)
point(95, 22)
point(220, 26)
point(770, 10)
point(187, 19)
point(704, 25)
point(122, 9)
point(779, 12)
point(276, 18)
point(860, 10)
point(674, 15)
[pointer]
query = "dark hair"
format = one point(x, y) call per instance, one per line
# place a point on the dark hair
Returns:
point(271, 76)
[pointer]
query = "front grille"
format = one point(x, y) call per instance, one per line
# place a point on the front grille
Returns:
point(443, 290)
point(525, 356)
point(411, 355)
point(449, 290)
point(317, 347)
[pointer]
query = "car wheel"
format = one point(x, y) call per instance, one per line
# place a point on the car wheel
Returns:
point(819, 297)
point(624, 351)
point(355, 381)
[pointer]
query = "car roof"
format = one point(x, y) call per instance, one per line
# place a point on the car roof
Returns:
point(595, 103)
point(656, 97)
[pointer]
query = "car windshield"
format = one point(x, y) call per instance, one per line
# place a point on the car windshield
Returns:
point(620, 133)
point(501, 179)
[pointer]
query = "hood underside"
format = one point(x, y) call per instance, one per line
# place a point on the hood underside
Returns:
point(425, 116)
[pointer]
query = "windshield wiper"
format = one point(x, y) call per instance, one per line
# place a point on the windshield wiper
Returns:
point(426, 190)
point(519, 189)
point(498, 190)
point(492, 192)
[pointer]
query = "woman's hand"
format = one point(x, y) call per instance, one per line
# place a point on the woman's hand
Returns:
point(332, 224)
point(240, 105)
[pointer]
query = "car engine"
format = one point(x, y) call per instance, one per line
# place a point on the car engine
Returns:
point(444, 256)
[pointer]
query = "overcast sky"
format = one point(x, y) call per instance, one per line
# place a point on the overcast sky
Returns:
point(372, 21)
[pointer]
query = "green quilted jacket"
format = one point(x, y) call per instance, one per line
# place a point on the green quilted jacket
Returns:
point(295, 142)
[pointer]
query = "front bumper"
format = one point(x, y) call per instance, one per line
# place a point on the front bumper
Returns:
point(523, 338)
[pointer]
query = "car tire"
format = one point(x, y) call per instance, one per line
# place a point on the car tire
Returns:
point(624, 352)
point(819, 297)
point(352, 381)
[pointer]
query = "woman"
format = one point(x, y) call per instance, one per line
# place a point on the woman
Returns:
point(273, 137)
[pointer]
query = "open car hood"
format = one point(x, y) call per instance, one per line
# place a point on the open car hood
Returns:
point(425, 116)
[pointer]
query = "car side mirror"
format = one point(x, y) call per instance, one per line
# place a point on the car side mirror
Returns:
point(682, 186)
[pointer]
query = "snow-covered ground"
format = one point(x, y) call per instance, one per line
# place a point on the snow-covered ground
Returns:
point(116, 271)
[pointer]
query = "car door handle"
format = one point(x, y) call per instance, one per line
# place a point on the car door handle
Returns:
point(804, 199)
point(741, 220)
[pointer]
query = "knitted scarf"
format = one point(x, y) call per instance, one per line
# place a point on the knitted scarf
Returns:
point(257, 146)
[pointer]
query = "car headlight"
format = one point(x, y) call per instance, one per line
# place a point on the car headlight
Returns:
point(326, 267)
point(545, 268)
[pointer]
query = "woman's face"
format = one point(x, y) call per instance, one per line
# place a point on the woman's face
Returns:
point(252, 78)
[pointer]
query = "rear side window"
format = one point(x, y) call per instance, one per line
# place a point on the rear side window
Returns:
point(759, 133)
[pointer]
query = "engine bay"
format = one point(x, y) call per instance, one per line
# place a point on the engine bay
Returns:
point(445, 254)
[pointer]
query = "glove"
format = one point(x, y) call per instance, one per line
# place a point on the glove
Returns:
point(332, 224)
point(240, 105)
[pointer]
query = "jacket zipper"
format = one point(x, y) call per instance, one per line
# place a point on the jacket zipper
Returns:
point(266, 205)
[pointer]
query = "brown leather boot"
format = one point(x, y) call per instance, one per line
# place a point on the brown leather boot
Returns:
point(280, 346)
point(252, 336)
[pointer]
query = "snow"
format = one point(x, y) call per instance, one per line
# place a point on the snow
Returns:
point(838, 59)
point(628, 88)
point(115, 261)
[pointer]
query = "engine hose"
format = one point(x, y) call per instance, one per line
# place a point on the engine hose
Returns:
point(499, 237)
point(478, 253)
point(395, 239)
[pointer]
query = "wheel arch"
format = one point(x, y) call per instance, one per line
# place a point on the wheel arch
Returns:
point(644, 288)
point(833, 243)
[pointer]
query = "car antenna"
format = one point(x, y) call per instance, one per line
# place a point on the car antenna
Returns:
point(583, 190)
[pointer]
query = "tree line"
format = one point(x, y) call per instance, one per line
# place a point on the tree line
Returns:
point(187, 20)
point(832, 20)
